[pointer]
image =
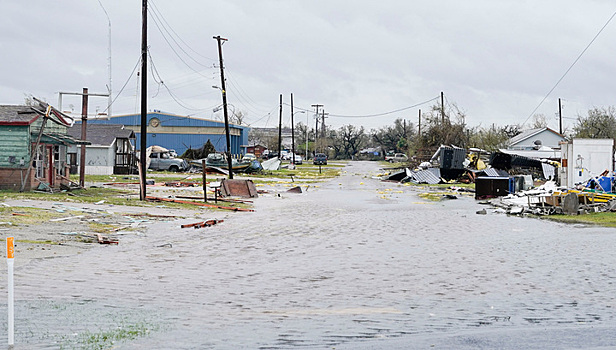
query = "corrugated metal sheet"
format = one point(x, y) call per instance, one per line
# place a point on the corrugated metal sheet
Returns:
point(495, 172)
point(548, 171)
point(430, 176)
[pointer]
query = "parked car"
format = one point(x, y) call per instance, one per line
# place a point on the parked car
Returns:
point(298, 159)
point(397, 157)
point(249, 157)
point(319, 159)
point(269, 155)
point(161, 159)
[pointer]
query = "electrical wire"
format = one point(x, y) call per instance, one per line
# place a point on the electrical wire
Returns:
point(179, 37)
point(373, 115)
point(161, 82)
point(570, 67)
point(156, 23)
point(124, 86)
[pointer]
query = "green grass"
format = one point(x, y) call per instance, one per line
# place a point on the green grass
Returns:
point(27, 215)
point(93, 195)
point(106, 339)
point(28, 241)
point(601, 219)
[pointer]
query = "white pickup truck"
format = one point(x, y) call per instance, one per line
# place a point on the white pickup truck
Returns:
point(397, 157)
point(161, 159)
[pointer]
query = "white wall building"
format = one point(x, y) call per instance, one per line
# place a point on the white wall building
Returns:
point(583, 159)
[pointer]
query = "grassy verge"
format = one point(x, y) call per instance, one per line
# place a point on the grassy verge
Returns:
point(601, 219)
point(100, 195)
point(26, 215)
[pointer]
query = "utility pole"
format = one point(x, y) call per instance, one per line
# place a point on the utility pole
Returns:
point(560, 117)
point(280, 130)
point(316, 125)
point(84, 121)
point(224, 104)
point(442, 108)
point(144, 98)
point(420, 123)
point(323, 122)
point(292, 135)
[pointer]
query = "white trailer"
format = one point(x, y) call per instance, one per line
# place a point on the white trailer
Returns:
point(583, 159)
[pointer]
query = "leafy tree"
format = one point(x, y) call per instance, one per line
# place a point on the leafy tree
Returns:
point(265, 137)
point(348, 141)
point(395, 137)
point(600, 123)
point(489, 139)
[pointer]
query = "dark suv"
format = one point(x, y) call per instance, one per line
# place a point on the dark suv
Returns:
point(319, 159)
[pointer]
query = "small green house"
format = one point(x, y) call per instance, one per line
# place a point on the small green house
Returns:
point(33, 147)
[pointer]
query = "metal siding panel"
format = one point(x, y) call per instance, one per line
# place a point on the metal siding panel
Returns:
point(15, 142)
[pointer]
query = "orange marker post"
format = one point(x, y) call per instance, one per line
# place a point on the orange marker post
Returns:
point(10, 255)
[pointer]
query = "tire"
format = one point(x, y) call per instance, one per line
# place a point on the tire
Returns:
point(174, 168)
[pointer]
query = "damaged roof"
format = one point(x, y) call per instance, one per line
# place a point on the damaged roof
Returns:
point(102, 134)
point(17, 115)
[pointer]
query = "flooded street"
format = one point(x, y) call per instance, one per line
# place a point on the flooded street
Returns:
point(352, 263)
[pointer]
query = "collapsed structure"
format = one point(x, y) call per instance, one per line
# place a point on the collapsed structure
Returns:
point(577, 178)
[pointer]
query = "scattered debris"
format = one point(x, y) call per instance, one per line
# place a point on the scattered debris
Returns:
point(106, 240)
point(160, 199)
point(272, 164)
point(207, 223)
point(296, 189)
point(240, 188)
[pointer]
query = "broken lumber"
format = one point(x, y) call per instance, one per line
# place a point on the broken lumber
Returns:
point(160, 199)
point(201, 224)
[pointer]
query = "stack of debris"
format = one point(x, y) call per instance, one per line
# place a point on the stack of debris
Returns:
point(550, 199)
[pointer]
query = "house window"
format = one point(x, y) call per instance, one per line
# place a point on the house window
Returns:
point(59, 156)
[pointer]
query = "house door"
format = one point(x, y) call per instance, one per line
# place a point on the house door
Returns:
point(51, 174)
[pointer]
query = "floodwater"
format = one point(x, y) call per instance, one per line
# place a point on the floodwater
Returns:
point(352, 263)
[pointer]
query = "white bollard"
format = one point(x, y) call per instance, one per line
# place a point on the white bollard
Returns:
point(10, 252)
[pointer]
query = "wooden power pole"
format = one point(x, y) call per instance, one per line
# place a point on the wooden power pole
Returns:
point(224, 105)
point(144, 99)
point(84, 122)
point(442, 108)
point(560, 117)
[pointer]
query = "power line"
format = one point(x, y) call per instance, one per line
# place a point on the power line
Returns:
point(161, 82)
point(179, 37)
point(374, 115)
point(124, 86)
point(154, 18)
point(570, 67)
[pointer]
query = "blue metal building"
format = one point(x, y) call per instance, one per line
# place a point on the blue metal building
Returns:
point(181, 132)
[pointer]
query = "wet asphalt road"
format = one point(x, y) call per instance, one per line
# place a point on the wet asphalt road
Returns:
point(354, 263)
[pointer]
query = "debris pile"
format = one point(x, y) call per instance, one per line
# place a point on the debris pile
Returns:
point(507, 178)
point(550, 199)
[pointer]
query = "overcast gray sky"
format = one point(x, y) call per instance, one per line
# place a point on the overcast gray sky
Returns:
point(495, 60)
